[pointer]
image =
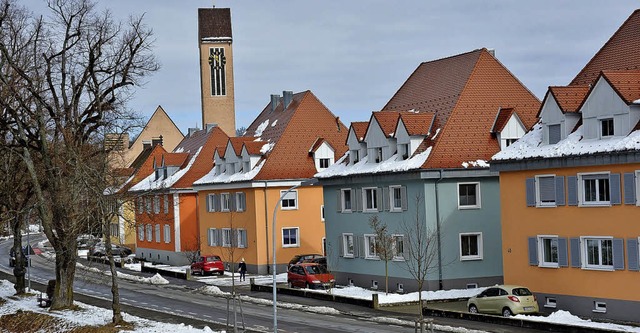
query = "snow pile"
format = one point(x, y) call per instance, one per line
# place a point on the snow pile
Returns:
point(364, 167)
point(150, 183)
point(530, 145)
point(566, 318)
point(261, 128)
point(392, 298)
point(436, 134)
point(274, 123)
point(267, 147)
point(476, 164)
point(156, 279)
point(212, 178)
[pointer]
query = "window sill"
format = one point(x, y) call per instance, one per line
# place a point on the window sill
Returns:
point(549, 266)
point(548, 306)
point(398, 259)
point(468, 207)
point(598, 204)
point(395, 210)
point(470, 258)
point(288, 246)
point(288, 208)
point(549, 205)
point(349, 256)
point(346, 211)
point(604, 269)
point(599, 311)
point(372, 258)
point(371, 211)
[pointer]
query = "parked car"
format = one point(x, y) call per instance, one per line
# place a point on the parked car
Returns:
point(506, 300)
point(319, 260)
point(86, 241)
point(299, 258)
point(310, 275)
point(25, 252)
point(100, 250)
point(208, 264)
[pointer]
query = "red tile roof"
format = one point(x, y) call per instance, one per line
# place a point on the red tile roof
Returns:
point(625, 83)
point(304, 121)
point(503, 116)
point(387, 121)
point(203, 163)
point(417, 123)
point(214, 22)
point(253, 147)
point(146, 167)
point(236, 143)
point(317, 144)
point(173, 159)
point(465, 134)
point(360, 128)
point(620, 52)
point(568, 98)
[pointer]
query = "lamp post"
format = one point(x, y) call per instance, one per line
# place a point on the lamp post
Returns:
point(308, 182)
point(28, 249)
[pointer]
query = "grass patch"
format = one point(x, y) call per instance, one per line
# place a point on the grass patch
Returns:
point(32, 322)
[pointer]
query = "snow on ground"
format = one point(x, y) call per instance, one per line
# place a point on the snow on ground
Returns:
point(566, 318)
point(156, 279)
point(89, 316)
point(392, 298)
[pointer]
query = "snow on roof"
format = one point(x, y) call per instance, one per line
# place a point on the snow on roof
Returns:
point(261, 128)
point(476, 163)
point(530, 145)
point(267, 147)
point(364, 167)
point(115, 189)
point(151, 183)
point(212, 178)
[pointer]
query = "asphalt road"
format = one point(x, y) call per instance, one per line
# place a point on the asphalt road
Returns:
point(178, 302)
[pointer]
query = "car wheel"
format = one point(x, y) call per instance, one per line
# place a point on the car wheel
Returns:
point(289, 284)
point(506, 312)
point(221, 273)
point(473, 308)
point(306, 285)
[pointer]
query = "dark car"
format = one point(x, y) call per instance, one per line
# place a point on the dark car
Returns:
point(299, 258)
point(25, 253)
point(208, 264)
point(310, 275)
point(100, 250)
point(85, 242)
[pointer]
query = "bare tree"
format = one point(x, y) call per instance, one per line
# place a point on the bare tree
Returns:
point(421, 249)
point(68, 81)
point(384, 246)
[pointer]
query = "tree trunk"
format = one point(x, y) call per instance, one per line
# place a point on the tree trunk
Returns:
point(18, 270)
point(66, 255)
point(115, 301)
point(386, 277)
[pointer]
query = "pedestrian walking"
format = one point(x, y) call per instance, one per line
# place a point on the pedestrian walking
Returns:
point(242, 268)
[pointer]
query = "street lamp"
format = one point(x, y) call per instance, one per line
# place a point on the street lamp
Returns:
point(307, 182)
point(28, 249)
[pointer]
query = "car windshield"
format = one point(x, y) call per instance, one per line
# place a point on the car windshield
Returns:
point(521, 292)
point(213, 258)
point(315, 269)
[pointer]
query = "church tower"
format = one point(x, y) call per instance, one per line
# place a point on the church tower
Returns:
point(216, 68)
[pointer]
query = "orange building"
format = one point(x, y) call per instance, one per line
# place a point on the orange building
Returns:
point(569, 190)
point(293, 138)
point(166, 203)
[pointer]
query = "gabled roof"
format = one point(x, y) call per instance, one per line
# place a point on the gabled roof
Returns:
point(625, 83)
point(620, 52)
point(502, 117)
point(417, 124)
point(159, 113)
point(173, 159)
point(200, 146)
point(568, 98)
point(387, 121)
point(253, 147)
point(360, 129)
point(145, 167)
point(236, 143)
point(316, 144)
point(214, 22)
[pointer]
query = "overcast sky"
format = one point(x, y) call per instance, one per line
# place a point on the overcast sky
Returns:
point(354, 55)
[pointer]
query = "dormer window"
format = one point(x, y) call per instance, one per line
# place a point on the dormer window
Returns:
point(606, 128)
point(403, 151)
point(355, 156)
point(324, 163)
point(164, 171)
point(247, 167)
point(378, 155)
point(554, 133)
point(509, 142)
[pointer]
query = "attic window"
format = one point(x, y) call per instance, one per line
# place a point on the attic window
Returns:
point(606, 128)
point(509, 142)
point(403, 151)
point(554, 133)
point(378, 155)
point(324, 163)
point(247, 167)
point(355, 156)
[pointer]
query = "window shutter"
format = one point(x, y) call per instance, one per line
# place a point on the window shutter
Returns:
point(385, 198)
point(214, 201)
point(629, 189)
point(361, 251)
point(533, 251)
point(232, 202)
point(531, 192)
point(546, 189)
point(614, 188)
point(218, 237)
point(575, 252)
point(356, 247)
point(208, 203)
point(632, 254)
point(244, 239)
point(560, 191)
point(572, 193)
point(403, 197)
point(243, 200)
point(358, 197)
point(341, 243)
point(563, 257)
point(209, 237)
point(379, 198)
point(618, 253)
point(339, 201)
point(554, 134)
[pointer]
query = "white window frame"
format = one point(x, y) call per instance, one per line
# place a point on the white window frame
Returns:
point(224, 202)
point(211, 202)
point(324, 160)
point(241, 205)
point(550, 302)
point(156, 204)
point(356, 156)
point(392, 206)
point(398, 256)
point(479, 256)
point(613, 127)
point(322, 213)
point(167, 233)
point(141, 232)
point(240, 232)
point(478, 203)
point(549, 131)
point(211, 240)
point(370, 253)
point(343, 209)
point(226, 237)
point(148, 203)
point(539, 202)
point(637, 185)
point(292, 195)
point(599, 307)
point(149, 233)
point(166, 204)
point(365, 199)
point(541, 251)
point(345, 245)
point(297, 233)
point(140, 205)
point(157, 232)
point(584, 253)
point(581, 191)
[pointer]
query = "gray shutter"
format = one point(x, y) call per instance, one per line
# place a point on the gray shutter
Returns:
point(358, 198)
point(554, 134)
point(232, 202)
point(632, 254)
point(218, 237)
point(216, 203)
point(614, 188)
point(563, 257)
point(338, 201)
point(533, 251)
point(403, 197)
point(244, 201)
point(572, 192)
point(629, 189)
point(356, 247)
point(209, 237)
point(618, 253)
point(385, 198)
point(575, 252)
point(208, 203)
point(341, 244)
point(531, 192)
point(234, 237)
point(361, 250)
point(379, 197)
point(546, 189)
point(560, 191)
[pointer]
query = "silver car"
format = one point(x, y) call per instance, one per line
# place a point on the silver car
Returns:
point(505, 300)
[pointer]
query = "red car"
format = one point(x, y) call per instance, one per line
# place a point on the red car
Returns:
point(208, 264)
point(310, 275)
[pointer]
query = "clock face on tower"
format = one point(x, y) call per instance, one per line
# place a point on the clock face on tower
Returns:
point(217, 58)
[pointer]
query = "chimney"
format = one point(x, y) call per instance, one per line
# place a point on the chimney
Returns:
point(192, 130)
point(287, 97)
point(338, 123)
point(492, 52)
point(146, 144)
point(274, 101)
point(210, 126)
point(156, 141)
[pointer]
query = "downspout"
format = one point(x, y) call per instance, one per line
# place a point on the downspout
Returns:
point(439, 238)
point(266, 225)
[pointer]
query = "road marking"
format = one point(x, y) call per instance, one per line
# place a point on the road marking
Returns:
point(192, 313)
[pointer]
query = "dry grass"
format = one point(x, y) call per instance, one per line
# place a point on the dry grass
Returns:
point(31, 322)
